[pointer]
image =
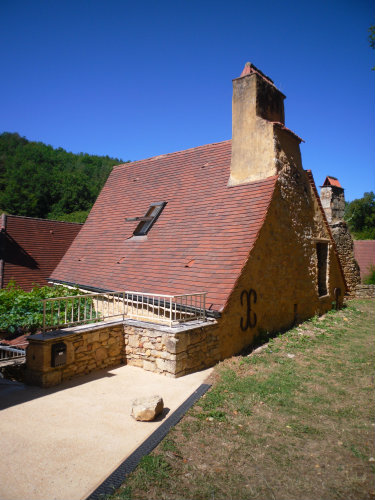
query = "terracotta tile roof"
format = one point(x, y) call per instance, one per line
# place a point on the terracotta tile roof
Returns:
point(331, 181)
point(31, 248)
point(364, 254)
point(200, 241)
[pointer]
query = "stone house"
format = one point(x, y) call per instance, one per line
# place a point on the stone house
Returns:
point(240, 220)
point(31, 248)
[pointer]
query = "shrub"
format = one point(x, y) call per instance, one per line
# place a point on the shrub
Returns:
point(370, 278)
point(22, 312)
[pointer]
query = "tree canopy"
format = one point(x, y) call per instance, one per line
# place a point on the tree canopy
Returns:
point(37, 180)
point(360, 216)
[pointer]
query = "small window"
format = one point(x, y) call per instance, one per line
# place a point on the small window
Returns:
point(149, 219)
point(322, 254)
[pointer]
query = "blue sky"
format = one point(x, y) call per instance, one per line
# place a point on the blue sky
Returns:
point(139, 79)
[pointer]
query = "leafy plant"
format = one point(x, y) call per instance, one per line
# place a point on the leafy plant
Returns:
point(22, 312)
point(370, 278)
point(360, 216)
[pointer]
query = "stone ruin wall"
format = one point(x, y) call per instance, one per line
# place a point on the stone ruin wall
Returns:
point(365, 291)
point(345, 249)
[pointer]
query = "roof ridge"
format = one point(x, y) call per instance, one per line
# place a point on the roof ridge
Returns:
point(173, 153)
point(45, 220)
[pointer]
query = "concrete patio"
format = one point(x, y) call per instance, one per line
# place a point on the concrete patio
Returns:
point(61, 443)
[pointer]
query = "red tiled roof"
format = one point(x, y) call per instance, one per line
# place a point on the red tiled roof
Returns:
point(200, 241)
point(364, 254)
point(31, 248)
point(331, 181)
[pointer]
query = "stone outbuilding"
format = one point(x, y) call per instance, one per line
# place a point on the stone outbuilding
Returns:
point(240, 220)
point(333, 201)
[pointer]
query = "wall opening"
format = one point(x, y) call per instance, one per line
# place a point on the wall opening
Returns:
point(322, 254)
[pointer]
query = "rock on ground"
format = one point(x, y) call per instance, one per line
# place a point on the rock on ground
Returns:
point(148, 408)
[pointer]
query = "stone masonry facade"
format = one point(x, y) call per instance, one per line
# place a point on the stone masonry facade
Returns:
point(169, 351)
point(87, 350)
point(160, 350)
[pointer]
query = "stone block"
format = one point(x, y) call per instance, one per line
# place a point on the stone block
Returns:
point(101, 353)
point(136, 362)
point(94, 337)
point(114, 350)
point(148, 408)
point(149, 365)
point(103, 336)
point(133, 340)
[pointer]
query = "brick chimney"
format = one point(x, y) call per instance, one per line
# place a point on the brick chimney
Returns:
point(257, 107)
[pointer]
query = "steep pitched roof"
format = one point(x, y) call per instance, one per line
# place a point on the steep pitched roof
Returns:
point(331, 181)
point(200, 241)
point(31, 248)
point(364, 254)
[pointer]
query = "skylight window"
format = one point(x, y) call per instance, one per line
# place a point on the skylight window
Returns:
point(149, 218)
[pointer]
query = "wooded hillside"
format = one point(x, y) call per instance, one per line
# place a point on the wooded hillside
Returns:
point(37, 180)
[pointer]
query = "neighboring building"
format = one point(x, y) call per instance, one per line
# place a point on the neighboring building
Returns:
point(30, 249)
point(238, 219)
point(364, 253)
point(333, 202)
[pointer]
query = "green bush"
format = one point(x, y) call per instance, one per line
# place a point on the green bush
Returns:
point(370, 278)
point(22, 312)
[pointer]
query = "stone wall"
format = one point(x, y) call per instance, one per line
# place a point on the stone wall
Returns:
point(171, 351)
point(345, 249)
point(88, 349)
point(365, 291)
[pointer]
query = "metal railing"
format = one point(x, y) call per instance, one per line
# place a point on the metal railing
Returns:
point(93, 307)
point(10, 354)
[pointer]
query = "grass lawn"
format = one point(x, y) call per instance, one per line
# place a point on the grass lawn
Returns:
point(293, 421)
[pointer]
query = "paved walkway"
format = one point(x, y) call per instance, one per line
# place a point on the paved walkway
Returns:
point(62, 443)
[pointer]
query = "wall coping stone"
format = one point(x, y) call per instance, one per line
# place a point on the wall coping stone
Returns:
point(191, 325)
point(63, 332)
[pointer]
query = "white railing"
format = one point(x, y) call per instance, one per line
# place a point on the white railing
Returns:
point(92, 307)
point(12, 353)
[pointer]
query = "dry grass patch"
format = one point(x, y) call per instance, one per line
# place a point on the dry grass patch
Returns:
point(293, 421)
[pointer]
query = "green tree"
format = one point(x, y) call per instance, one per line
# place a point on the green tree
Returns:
point(37, 180)
point(360, 216)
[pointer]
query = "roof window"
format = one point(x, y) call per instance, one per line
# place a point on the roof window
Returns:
point(148, 220)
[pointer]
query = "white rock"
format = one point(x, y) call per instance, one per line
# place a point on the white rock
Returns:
point(146, 409)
